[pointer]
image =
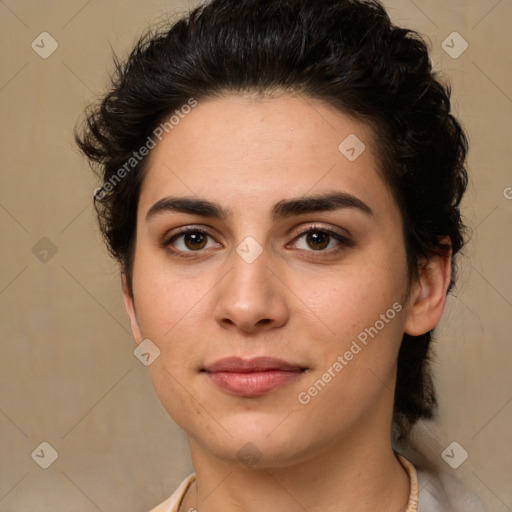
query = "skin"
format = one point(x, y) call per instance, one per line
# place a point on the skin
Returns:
point(294, 302)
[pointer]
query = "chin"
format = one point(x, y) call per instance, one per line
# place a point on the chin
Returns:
point(257, 440)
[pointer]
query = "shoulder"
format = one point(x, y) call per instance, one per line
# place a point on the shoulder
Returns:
point(439, 489)
point(442, 492)
point(438, 492)
point(172, 504)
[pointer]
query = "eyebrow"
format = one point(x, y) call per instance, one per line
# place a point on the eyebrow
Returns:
point(283, 209)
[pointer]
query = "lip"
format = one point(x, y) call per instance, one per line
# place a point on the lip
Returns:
point(252, 377)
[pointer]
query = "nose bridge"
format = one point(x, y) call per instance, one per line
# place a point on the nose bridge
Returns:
point(250, 271)
point(249, 297)
point(249, 279)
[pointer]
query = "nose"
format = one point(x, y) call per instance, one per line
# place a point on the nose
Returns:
point(250, 298)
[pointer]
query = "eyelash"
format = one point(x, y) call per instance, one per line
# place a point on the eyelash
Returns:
point(341, 239)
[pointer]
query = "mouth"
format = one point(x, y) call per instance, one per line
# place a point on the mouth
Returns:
point(252, 377)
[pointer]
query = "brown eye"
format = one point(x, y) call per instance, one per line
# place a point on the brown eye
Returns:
point(195, 240)
point(189, 241)
point(317, 240)
point(324, 242)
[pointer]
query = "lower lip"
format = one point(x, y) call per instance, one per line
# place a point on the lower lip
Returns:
point(253, 383)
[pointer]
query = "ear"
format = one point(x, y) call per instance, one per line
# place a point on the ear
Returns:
point(129, 305)
point(428, 297)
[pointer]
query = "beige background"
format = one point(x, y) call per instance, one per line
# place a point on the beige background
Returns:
point(68, 375)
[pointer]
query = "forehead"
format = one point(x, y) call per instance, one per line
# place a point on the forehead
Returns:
point(249, 151)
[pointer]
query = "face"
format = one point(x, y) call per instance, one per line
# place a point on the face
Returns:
point(293, 264)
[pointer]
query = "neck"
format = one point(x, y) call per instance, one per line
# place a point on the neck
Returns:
point(343, 476)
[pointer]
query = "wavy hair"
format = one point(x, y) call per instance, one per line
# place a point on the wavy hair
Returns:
point(346, 53)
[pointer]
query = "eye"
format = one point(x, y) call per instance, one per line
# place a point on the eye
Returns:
point(189, 240)
point(317, 239)
point(313, 240)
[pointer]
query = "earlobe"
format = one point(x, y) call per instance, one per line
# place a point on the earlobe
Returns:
point(428, 298)
point(129, 305)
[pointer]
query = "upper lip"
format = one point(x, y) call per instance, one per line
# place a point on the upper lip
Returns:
point(257, 364)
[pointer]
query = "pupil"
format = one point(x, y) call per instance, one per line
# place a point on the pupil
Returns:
point(318, 240)
point(194, 240)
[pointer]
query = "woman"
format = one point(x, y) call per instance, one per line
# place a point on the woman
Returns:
point(281, 188)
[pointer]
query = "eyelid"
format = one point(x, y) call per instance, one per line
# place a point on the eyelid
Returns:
point(343, 242)
point(167, 239)
point(342, 238)
point(342, 233)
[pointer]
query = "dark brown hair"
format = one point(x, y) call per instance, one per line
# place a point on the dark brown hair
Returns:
point(346, 53)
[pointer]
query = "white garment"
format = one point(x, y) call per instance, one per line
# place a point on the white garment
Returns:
point(444, 493)
point(429, 492)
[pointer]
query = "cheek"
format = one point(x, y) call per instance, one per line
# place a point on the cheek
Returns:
point(166, 300)
point(356, 368)
point(178, 397)
point(360, 307)
point(349, 299)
